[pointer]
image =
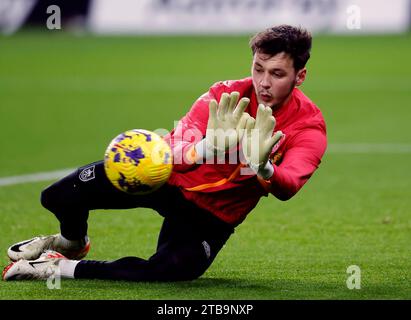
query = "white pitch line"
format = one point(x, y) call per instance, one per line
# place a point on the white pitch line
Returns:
point(34, 177)
point(336, 148)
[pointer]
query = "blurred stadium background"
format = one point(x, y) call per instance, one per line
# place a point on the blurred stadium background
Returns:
point(69, 85)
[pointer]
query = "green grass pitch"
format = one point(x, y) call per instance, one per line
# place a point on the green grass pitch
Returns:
point(63, 98)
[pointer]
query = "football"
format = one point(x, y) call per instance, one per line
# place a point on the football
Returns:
point(138, 161)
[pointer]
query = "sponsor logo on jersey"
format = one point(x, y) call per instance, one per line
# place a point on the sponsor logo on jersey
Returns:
point(276, 156)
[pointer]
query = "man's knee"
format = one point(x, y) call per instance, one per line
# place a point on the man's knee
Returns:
point(188, 272)
point(59, 194)
point(47, 199)
point(181, 265)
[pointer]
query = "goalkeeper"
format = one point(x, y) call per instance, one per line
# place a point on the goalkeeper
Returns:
point(241, 140)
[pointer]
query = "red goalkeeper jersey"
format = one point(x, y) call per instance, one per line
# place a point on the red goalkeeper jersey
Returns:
point(229, 190)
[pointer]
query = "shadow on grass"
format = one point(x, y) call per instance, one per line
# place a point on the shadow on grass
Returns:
point(201, 284)
point(203, 289)
point(226, 288)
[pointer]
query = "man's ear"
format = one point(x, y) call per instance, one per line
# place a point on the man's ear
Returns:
point(300, 76)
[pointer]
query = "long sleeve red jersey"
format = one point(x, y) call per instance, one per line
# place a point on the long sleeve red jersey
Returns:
point(223, 188)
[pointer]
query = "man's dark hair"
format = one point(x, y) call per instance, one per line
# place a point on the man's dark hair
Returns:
point(294, 41)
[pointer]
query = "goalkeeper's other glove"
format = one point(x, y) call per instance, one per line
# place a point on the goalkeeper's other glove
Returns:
point(226, 125)
point(259, 141)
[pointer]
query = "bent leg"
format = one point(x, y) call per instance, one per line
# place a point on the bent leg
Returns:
point(189, 240)
point(88, 188)
point(183, 262)
point(186, 249)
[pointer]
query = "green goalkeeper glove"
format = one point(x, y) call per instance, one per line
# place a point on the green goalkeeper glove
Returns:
point(226, 125)
point(259, 141)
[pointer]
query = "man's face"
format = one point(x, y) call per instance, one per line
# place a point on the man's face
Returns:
point(274, 78)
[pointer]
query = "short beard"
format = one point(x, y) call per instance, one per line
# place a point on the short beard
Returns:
point(280, 104)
